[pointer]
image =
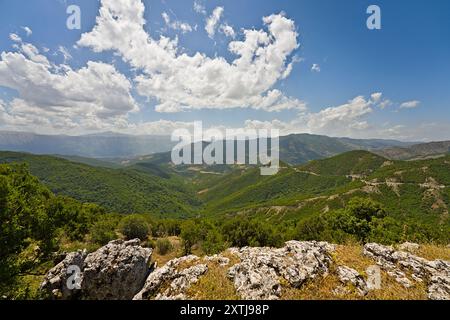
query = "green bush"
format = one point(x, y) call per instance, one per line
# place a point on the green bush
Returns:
point(191, 234)
point(240, 233)
point(214, 242)
point(103, 231)
point(163, 246)
point(361, 220)
point(134, 226)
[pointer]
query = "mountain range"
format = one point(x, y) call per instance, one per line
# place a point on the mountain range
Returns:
point(294, 149)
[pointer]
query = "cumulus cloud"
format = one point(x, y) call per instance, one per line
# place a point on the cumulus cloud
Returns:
point(27, 30)
point(315, 68)
point(184, 27)
point(376, 96)
point(344, 120)
point(14, 37)
point(65, 53)
point(199, 7)
point(60, 97)
point(385, 103)
point(213, 21)
point(184, 82)
point(227, 30)
point(410, 104)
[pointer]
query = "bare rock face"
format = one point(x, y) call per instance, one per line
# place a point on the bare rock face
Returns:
point(55, 282)
point(221, 260)
point(435, 273)
point(180, 280)
point(257, 276)
point(409, 247)
point(348, 275)
point(114, 272)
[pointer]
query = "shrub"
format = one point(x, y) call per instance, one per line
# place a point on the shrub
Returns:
point(190, 233)
point(103, 231)
point(214, 242)
point(241, 233)
point(163, 246)
point(134, 226)
point(361, 220)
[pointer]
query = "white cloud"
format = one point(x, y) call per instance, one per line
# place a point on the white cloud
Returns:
point(184, 82)
point(227, 30)
point(343, 120)
point(33, 54)
point(213, 20)
point(14, 37)
point(376, 97)
point(199, 7)
point(410, 104)
point(176, 25)
point(315, 68)
point(59, 97)
point(385, 103)
point(28, 31)
point(65, 53)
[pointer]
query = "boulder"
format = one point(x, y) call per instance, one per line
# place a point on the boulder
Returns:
point(348, 275)
point(179, 280)
point(221, 260)
point(114, 272)
point(435, 273)
point(409, 247)
point(55, 283)
point(183, 281)
point(257, 276)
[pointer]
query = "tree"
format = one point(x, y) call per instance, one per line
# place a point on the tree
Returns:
point(190, 233)
point(134, 226)
point(214, 242)
point(103, 231)
point(365, 209)
point(240, 232)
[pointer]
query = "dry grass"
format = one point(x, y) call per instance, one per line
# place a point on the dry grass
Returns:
point(351, 255)
point(433, 252)
point(214, 285)
point(174, 253)
point(323, 288)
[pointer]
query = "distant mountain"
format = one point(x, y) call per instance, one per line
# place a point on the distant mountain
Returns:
point(301, 148)
point(295, 149)
point(103, 145)
point(417, 151)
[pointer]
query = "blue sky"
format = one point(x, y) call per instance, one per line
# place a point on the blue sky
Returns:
point(407, 61)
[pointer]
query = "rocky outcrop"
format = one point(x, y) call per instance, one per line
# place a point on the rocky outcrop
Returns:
point(114, 272)
point(409, 247)
point(435, 273)
point(258, 274)
point(221, 260)
point(348, 275)
point(56, 283)
point(120, 270)
point(179, 280)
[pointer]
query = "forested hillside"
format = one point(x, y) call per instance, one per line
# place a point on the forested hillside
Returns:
point(410, 191)
point(122, 190)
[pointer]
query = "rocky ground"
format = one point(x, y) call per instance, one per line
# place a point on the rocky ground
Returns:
point(299, 270)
